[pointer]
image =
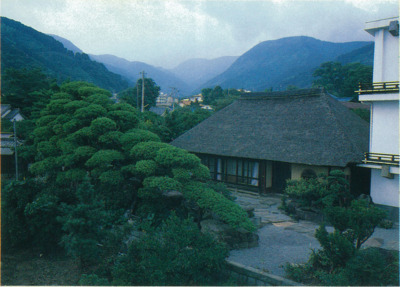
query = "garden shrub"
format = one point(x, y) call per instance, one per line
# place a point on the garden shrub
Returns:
point(336, 250)
point(41, 216)
point(227, 210)
point(93, 280)
point(14, 198)
point(176, 253)
point(87, 226)
point(369, 267)
point(332, 190)
point(357, 222)
point(354, 221)
point(307, 192)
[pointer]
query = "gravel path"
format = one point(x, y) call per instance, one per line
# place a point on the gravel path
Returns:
point(283, 240)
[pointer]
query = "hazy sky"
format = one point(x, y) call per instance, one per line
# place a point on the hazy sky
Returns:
point(167, 32)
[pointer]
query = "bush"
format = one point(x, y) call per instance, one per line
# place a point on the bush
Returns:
point(93, 280)
point(357, 222)
point(41, 216)
point(369, 267)
point(318, 192)
point(336, 250)
point(227, 210)
point(301, 273)
point(14, 198)
point(88, 227)
point(338, 262)
point(307, 192)
point(176, 253)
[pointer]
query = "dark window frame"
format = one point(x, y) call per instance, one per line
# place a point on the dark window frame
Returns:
point(246, 176)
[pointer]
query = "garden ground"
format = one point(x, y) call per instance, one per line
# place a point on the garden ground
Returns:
point(30, 267)
point(283, 240)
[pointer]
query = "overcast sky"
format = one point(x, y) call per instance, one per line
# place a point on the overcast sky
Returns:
point(167, 32)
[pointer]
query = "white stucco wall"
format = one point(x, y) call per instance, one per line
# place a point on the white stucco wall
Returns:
point(386, 55)
point(297, 170)
point(383, 190)
point(384, 128)
point(384, 137)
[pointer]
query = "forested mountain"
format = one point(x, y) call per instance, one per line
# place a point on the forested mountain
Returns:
point(198, 71)
point(130, 70)
point(24, 47)
point(271, 64)
point(67, 44)
point(279, 63)
point(363, 55)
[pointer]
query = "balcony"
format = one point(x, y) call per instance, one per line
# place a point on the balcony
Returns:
point(381, 158)
point(378, 88)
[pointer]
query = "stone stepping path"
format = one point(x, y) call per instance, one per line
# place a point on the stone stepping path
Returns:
point(283, 240)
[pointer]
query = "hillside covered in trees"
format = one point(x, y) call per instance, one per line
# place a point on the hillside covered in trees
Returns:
point(288, 61)
point(24, 47)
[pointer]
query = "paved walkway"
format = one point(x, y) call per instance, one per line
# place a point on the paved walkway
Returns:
point(284, 240)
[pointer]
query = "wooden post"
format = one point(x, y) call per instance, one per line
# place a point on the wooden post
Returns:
point(15, 150)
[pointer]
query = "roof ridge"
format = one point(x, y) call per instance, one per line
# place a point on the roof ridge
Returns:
point(312, 92)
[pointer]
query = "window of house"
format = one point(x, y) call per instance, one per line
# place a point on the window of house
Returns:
point(231, 170)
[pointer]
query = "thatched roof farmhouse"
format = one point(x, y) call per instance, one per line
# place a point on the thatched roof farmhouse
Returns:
point(263, 139)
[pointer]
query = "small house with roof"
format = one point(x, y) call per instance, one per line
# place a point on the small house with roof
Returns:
point(7, 113)
point(263, 139)
point(7, 143)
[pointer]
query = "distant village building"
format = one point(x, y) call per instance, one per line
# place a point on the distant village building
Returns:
point(7, 113)
point(185, 103)
point(383, 96)
point(195, 99)
point(165, 100)
point(7, 142)
point(206, 107)
point(263, 139)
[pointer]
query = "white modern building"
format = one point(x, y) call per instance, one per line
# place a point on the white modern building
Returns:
point(164, 100)
point(383, 96)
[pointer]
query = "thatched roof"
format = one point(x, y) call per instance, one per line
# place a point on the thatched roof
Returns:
point(299, 126)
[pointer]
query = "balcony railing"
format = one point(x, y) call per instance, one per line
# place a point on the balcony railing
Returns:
point(381, 158)
point(380, 87)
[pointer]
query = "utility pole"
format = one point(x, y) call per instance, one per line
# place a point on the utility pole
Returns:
point(15, 150)
point(137, 95)
point(143, 73)
point(173, 93)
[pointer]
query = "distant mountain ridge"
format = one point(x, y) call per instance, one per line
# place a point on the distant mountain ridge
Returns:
point(363, 55)
point(271, 64)
point(130, 70)
point(24, 47)
point(278, 63)
point(197, 71)
point(67, 44)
